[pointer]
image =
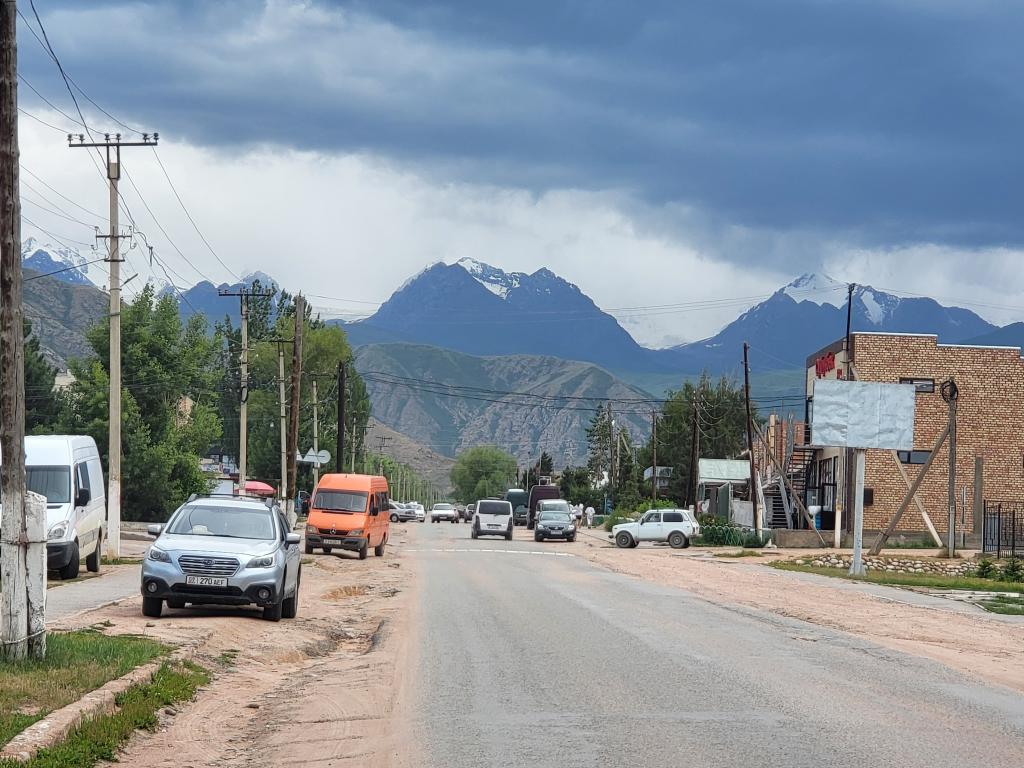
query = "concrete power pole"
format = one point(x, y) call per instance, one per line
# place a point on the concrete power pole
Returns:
point(654, 455)
point(340, 450)
point(316, 434)
point(243, 414)
point(23, 522)
point(112, 148)
point(293, 417)
point(282, 491)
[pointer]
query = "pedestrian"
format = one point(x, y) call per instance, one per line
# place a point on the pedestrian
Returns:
point(590, 516)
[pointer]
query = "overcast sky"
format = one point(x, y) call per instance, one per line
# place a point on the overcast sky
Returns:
point(650, 152)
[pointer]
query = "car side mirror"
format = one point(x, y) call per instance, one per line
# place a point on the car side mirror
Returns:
point(154, 530)
point(292, 539)
point(83, 497)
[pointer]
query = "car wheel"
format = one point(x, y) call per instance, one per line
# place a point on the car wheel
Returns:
point(624, 540)
point(70, 571)
point(93, 561)
point(363, 550)
point(570, 538)
point(309, 549)
point(273, 612)
point(378, 551)
point(290, 607)
point(538, 537)
point(676, 540)
point(327, 550)
point(176, 604)
point(508, 535)
point(394, 518)
point(152, 607)
point(473, 533)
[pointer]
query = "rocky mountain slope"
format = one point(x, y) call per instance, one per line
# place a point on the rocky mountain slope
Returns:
point(61, 312)
point(449, 401)
point(427, 463)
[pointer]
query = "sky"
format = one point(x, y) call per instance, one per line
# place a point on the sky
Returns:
point(652, 153)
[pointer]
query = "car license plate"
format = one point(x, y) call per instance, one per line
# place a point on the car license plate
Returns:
point(206, 581)
point(332, 542)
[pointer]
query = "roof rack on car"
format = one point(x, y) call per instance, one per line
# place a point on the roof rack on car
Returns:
point(268, 501)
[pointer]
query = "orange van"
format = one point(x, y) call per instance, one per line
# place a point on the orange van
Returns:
point(349, 512)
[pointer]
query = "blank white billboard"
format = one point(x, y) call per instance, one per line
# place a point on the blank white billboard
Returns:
point(861, 414)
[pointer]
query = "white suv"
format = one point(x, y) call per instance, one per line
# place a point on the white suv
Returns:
point(676, 526)
point(492, 518)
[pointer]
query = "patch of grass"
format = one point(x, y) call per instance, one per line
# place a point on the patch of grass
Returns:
point(741, 553)
point(100, 738)
point(76, 663)
point(227, 658)
point(907, 579)
point(1009, 606)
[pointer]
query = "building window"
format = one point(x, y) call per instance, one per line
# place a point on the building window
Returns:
point(869, 497)
point(913, 457)
point(920, 385)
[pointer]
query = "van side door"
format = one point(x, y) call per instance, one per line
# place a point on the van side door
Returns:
point(87, 525)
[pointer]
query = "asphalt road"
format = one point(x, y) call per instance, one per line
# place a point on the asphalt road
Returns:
point(545, 660)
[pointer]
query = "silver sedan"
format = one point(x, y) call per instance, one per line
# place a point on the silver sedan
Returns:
point(223, 551)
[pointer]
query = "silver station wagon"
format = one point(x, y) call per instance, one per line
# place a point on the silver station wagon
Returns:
point(223, 551)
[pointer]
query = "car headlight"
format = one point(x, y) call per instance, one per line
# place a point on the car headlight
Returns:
point(263, 561)
point(58, 531)
point(356, 532)
point(311, 529)
point(159, 555)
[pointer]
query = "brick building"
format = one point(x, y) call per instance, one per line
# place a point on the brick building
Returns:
point(990, 431)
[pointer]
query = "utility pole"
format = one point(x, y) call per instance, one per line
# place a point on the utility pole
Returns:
point(750, 437)
point(316, 433)
point(293, 420)
point(848, 457)
point(282, 414)
point(654, 455)
point(22, 524)
point(382, 442)
point(341, 422)
point(691, 484)
point(112, 147)
point(243, 414)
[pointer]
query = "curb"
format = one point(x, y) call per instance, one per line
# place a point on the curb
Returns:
point(55, 727)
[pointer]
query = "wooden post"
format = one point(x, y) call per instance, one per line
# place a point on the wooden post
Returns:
point(296, 397)
point(654, 452)
point(22, 533)
point(750, 437)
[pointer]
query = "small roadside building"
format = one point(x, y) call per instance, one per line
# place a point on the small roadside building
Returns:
point(990, 433)
point(722, 485)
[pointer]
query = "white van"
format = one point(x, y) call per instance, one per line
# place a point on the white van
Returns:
point(66, 470)
point(492, 517)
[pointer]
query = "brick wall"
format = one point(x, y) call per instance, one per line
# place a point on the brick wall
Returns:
point(990, 423)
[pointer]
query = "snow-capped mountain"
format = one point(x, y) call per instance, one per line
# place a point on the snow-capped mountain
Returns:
point(478, 309)
point(47, 258)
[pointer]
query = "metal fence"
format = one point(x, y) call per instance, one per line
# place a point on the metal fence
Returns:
point(1003, 531)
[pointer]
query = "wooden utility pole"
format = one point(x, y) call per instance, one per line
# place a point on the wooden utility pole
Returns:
point(243, 414)
point(296, 399)
point(950, 393)
point(750, 437)
point(848, 457)
point(654, 455)
point(316, 433)
point(340, 451)
point(112, 147)
point(22, 524)
point(691, 483)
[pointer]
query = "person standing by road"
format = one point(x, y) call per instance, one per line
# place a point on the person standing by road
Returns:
point(590, 516)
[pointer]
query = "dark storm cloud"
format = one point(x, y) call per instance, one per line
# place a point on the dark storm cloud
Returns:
point(879, 121)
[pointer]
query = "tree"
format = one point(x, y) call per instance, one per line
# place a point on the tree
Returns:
point(41, 407)
point(481, 472)
point(599, 447)
point(169, 415)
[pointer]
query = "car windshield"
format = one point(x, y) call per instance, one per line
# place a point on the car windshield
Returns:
point(223, 521)
point(443, 507)
point(340, 501)
point(556, 505)
point(556, 517)
point(494, 508)
point(52, 482)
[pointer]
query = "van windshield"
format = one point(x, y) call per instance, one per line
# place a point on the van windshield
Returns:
point(52, 482)
point(340, 501)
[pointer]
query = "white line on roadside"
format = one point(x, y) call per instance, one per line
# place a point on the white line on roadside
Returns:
point(502, 551)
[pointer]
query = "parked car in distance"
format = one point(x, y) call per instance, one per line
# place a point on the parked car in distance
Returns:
point(465, 513)
point(676, 526)
point(443, 511)
point(402, 513)
point(556, 505)
point(223, 551)
point(66, 470)
point(492, 517)
point(520, 501)
point(554, 524)
point(349, 512)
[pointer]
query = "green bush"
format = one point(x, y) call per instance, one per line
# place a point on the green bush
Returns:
point(732, 536)
point(1013, 571)
point(986, 569)
point(614, 519)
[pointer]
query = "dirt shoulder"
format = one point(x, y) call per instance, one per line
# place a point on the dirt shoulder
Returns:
point(973, 643)
point(316, 690)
